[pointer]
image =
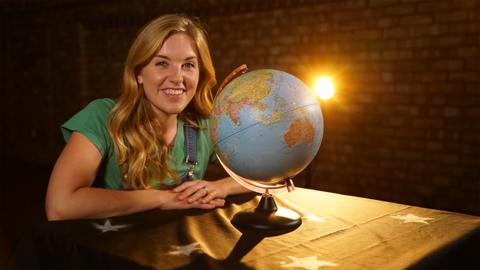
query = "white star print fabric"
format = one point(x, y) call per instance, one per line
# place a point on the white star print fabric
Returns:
point(337, 232)
point(411, 218)
point(309, 263)
point(108, 227)
point(185, 249)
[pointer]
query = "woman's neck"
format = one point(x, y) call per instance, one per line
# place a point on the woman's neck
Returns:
point(169, 126)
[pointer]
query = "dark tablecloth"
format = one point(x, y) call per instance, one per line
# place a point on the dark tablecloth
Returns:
point(337, 231)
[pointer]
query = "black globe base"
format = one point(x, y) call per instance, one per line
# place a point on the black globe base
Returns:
point(267, 218)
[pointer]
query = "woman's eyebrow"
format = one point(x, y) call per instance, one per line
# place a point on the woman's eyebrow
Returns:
point(193, 57)
point(162, 56)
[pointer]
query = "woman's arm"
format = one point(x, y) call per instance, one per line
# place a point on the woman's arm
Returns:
point(70, 195)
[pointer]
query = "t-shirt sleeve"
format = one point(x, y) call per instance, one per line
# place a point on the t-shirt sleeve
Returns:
point(213, 158)
point(206, 124)
point(91, 122)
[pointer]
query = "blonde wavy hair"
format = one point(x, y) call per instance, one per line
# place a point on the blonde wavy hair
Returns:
point(142, 154)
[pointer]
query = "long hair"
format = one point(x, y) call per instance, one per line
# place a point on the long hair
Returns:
point(142, 154)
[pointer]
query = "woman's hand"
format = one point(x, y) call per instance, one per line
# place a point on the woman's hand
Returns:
point(201, 191)
point(171, 202)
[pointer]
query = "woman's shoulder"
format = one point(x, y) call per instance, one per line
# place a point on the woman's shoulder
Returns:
point(91, 121)
point(101, 104)
point(97, 110)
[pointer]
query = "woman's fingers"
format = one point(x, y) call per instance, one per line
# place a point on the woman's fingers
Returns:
point(220, 202)
point(217, 202)
point(198, 194)
point(189, 189)
point(209, 197)
point(204, 191)
point(184, 186)
point(210, 205)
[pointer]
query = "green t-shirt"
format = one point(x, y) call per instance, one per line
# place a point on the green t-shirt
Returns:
point(92, 122)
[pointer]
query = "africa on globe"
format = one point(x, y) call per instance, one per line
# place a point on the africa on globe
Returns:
point(266, 126)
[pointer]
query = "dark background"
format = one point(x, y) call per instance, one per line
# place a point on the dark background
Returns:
point(403, 127)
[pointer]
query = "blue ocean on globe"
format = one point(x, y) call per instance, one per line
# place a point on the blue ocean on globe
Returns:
point(266, 125)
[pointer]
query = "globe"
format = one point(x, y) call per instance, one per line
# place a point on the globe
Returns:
point(266, 126)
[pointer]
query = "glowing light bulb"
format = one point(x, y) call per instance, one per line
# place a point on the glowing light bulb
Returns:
point(324, 87)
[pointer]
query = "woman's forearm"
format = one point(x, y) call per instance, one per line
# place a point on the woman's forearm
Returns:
point(89, 202)
point(233, 186)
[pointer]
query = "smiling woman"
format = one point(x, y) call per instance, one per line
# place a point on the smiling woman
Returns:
point(170, 79)
point(151, 147)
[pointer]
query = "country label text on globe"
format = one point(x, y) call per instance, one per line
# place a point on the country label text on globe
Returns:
point(266, 125)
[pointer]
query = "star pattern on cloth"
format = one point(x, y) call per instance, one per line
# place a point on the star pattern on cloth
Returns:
point(108, 227)
point(314, 218)
point(186, 249)
point(309, 263)
point(411, 218)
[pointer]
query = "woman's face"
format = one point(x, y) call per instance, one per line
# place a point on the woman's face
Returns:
point(170, 79)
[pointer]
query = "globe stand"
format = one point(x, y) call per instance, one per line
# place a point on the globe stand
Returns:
point(267, 217)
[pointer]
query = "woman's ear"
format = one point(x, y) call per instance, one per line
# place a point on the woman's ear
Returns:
point(139, 78)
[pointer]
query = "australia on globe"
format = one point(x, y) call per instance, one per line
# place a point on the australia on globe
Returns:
point(266, 126)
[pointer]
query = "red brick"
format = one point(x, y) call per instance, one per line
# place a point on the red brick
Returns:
point(467, 52)
point(376, 3)
point(465, 4)
point(467, 76)
point(397, 55)
point(449, 41)
point(399, 10)
point(417, 42)
point(459, 28)
point(447, 64)
point(472, 112)
point(431, 77)
point(453, 16)
point(396, 33)
point(430, 122)
point(425, 30)
point(433, 7)
point(415, 20)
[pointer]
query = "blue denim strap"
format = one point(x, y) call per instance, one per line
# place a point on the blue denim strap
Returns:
point(190, 134)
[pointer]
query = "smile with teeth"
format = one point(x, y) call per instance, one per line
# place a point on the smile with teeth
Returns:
point(173, 92)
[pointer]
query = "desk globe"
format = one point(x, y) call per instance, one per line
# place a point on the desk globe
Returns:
point(266, 127)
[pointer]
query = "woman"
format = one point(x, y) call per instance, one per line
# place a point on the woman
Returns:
point(135, 146)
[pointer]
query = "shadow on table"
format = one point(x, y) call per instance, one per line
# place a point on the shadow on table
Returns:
point(244, 245)
point(203, 261)
point(463, 253)
point(51, 254)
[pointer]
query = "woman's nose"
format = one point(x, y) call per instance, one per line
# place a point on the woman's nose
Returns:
point(176, 75)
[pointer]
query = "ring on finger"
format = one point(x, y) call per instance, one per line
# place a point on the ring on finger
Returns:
point(206, 190)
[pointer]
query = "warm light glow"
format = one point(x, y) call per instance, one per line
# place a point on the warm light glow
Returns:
point(324, 87)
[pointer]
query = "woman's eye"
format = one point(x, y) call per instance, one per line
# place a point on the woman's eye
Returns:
point(161, 64)
point(189, 65)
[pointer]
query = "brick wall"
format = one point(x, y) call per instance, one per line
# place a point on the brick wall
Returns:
point(403, 126)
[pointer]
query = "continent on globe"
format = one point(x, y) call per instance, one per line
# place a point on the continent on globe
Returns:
point(301, 130)
point(248, 94)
